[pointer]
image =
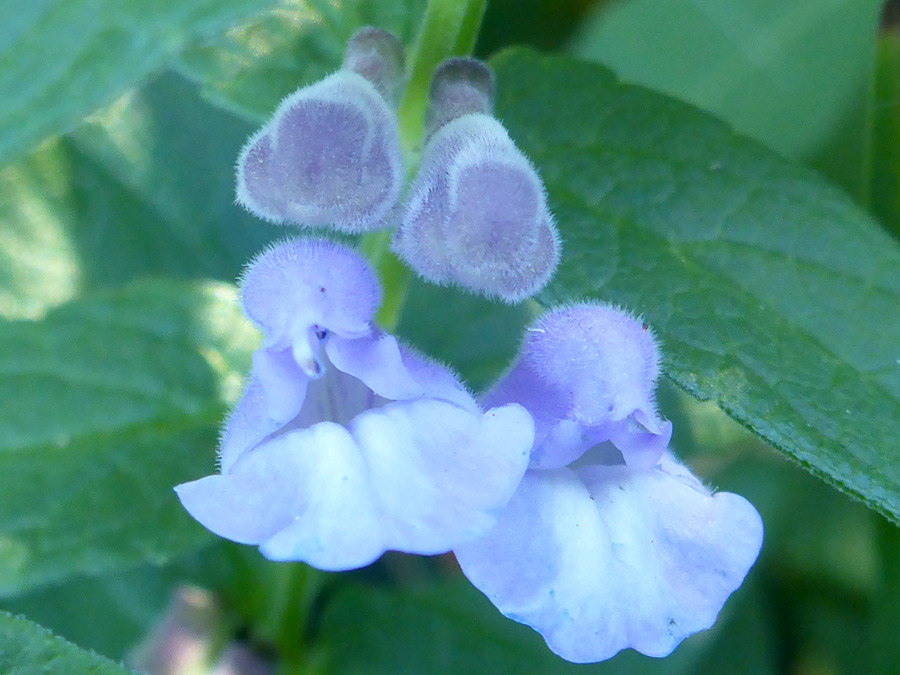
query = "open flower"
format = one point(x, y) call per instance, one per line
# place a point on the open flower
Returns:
point(346, 443)
point(608, 542)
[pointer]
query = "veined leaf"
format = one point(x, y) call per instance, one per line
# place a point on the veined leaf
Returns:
point(60, 59)
point(773, 294)
point(26, 648)
point(107, 404)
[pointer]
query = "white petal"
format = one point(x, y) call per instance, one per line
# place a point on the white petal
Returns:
point(439, 472)
point(613, 557)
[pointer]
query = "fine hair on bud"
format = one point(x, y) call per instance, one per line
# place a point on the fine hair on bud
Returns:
point(330, 154)
point(477, 214)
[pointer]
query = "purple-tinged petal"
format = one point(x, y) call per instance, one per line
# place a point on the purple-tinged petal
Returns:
point(610, 557)
point(375, 360)
point(329, 156)
point(282, 382)
point(256, 190)
point(641, 443)
point(395, 372)
point(477, 213)
point(595, 366)
point(250, 423)
point(335, 523)
point(256, 498)
point(436, 380)
point(439, 472)
point(303, 495)
point(301, 283)
point(418, 476)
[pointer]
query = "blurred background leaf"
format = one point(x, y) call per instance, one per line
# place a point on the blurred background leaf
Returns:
point(448, 627)
point(793, 74)
point(108, 403)
point(886, 131)
point(542, 24)
point(259, 62)
point(26, 649)
point(143, 188)
point(61, 59)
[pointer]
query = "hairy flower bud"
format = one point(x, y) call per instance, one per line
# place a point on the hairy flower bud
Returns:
point(330, 155)
point(477, 213)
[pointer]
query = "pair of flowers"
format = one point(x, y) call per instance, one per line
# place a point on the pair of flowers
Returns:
point(556, 490)
point(561, 500)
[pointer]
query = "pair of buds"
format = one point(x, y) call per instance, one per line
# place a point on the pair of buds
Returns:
point(476, 214)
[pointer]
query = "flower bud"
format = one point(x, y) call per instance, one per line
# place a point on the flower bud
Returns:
point(330, 155)
point(477, 213)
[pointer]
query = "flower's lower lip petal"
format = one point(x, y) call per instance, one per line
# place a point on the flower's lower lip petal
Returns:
point(639, 446)
point(439, 472)
point(250, 423)
point(238, 508)
point(614, 557)
point(333, 523)
point(395, 372)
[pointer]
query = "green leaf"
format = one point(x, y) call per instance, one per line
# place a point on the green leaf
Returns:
point(124, 605)
point(794, 74)
point(449, 627)
point(479, 338)
point(144, 188)
point(774, 295)
point(108, 403)
point(61, 59)
point(543, 24)
point(26, 648)
point(885, 198)
point(256, 64)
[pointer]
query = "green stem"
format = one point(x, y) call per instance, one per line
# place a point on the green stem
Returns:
point(449, 28)
point(394, 276)
point(885, 650)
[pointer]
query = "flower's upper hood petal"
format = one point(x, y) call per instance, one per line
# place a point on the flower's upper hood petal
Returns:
point(299, 284)
point(587, 374)
point(329, 156)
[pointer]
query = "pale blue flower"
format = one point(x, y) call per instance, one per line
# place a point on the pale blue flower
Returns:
point(346, 443)
point(609, 542)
